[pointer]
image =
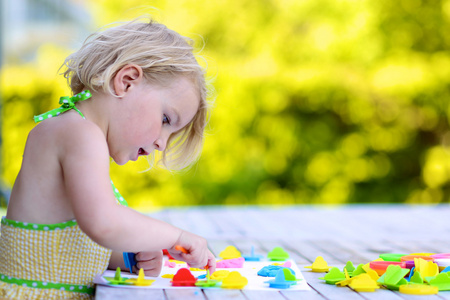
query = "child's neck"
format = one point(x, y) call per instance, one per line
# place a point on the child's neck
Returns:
point(97, 109)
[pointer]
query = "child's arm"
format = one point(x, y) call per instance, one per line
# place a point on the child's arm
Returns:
point(84, 159)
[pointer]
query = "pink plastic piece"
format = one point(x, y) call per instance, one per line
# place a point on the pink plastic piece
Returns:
point(231, 263)
point(170, 264)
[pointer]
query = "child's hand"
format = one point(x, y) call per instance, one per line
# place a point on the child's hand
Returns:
point(151, 262)
point(197, 253)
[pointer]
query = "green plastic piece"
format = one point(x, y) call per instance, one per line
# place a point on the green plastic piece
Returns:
point(359, 270)
point(208, 282)
point(391, 256)
point(278, 254)
point(117, 279)
point(442, 282)
point(416, 278)
point(335, 275)
point(394, 277)
point(350, 267)
point(289, 276)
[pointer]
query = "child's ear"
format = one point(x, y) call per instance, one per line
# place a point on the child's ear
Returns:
point(126, 77)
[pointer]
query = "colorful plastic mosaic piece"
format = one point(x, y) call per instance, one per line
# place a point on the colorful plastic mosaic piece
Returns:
point(208, 282)
point(426, 268)
point(359, 270)
point(117, 279)
point(364, 283)
point(271, 271)
point(346, 281)
point(418, 289)
point(349, 267)
point(391, 256)
point(442, 281)
point(168, 276)
point(381, 266)
point(278, 254)
point(129, 259)
point(394, 277)
point(230, 252)
point(253, 256)
point(183, 278)
point(220, 275)
point(280, 281)
point(415, 277)
point(413, 257)
point(319, 265)
point(140, 280)
point(231, 263)
point(170, 264)
point(234, 280)
point(335, 275)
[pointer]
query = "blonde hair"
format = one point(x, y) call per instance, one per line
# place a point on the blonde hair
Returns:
point(163, 55)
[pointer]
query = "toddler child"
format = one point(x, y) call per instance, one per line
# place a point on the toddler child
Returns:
point(137, 88)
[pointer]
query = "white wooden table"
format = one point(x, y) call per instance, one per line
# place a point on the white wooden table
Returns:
point(357, 233)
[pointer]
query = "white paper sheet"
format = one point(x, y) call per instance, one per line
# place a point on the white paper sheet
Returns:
point(249, 271)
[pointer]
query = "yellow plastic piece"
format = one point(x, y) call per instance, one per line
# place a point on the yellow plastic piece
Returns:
point(373, 274)
point(319, 265)
point(346, 281)
point(423, 254)
point(177, 261)
point(140, 280)
point(366, 267)
point(220, 274)
point(364, 283)
point(230, 252)
point(418, 289)
point(196, 269)
point(426, 268)
point(169, 276)
point(234, 280)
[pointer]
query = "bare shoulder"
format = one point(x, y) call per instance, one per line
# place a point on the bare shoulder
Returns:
point(69, 135)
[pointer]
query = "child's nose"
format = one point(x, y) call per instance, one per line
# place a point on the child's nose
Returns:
point(160, 144)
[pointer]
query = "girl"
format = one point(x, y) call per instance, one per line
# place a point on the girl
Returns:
point(138, 88)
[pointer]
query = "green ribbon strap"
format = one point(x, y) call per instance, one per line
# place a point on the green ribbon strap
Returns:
point(66, 104)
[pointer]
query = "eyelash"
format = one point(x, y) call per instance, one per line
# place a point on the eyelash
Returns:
point(166, 119)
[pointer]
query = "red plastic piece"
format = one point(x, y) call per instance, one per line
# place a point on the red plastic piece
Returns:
point(184, 277)
point(165, 252)
point(381, 266)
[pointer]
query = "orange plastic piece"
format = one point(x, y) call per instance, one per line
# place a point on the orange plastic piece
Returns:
point(319, 265)
point(411, 257)
point(234, 281)
point(180, 248)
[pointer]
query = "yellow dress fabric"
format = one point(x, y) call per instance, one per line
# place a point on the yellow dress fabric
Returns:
point(48, 255)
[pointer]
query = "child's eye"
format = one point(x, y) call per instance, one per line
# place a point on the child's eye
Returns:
point(166, 120)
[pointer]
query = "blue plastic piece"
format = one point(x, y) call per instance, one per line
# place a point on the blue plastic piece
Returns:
point(410, 274)
point(252, 256)
point(280, 281)
point(130, 260)
point(447, 269)
point(272, 271)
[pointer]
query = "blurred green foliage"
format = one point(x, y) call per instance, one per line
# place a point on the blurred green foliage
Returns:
point(318, 101)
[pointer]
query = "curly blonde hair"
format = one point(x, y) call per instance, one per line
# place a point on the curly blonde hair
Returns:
point(163, 55)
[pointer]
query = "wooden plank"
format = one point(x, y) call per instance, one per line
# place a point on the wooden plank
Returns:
point(185, 294)
point(223, 294)
point(303, 295)
point(329, 291)
point(111, 293)
point(258, 295)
